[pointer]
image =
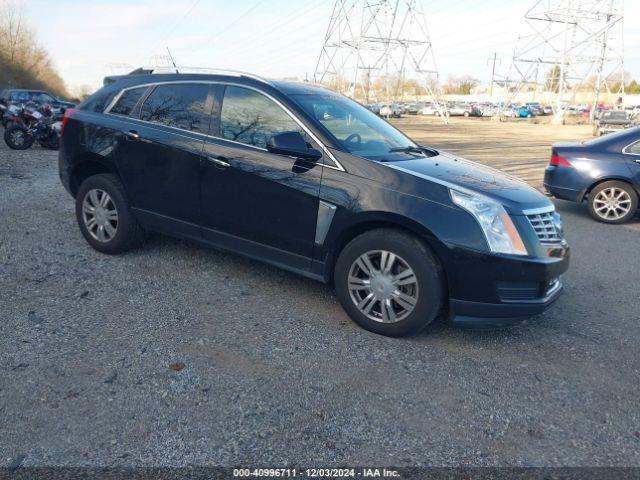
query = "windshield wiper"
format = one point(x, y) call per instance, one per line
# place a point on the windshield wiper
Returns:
point(411, 149)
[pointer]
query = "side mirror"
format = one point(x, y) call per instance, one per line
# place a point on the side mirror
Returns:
point(292, 144)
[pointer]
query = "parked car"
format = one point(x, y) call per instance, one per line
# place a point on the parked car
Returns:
point(374, 107)
point(390, 110)
point(608, 121)
point(525, 112)
point(308, 180)
point(518, 111)
point(605, 172)
point(458, 109)
point(415, 108)
point(21, 96)
point(536, 108)
point(431, 109)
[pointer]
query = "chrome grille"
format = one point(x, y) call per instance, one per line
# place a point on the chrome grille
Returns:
point(546, 226)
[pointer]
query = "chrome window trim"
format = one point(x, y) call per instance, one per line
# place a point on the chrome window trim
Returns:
point(115, 99)
point(624, 150)
point(107, 111)
point(538, 211)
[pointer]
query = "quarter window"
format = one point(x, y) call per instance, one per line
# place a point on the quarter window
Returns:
point(179, 106)
point(127, 101)
point(251, 118)
point(634, 149)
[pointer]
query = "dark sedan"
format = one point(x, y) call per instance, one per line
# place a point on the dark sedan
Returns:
point(604, 171)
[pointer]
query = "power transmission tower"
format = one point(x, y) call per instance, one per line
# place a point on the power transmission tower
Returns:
point(372, 48)
point(573, 46)
point(492, 78)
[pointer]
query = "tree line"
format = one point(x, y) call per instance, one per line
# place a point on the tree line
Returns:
point(23, 62)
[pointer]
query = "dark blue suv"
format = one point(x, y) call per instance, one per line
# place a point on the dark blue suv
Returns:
point(310, 181)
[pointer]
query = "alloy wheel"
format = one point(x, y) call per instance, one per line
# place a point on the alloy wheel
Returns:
point(383, 286)
point(100, 215)
point(612, 203)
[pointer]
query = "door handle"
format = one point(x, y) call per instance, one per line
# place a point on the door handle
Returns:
point(637, 161)
point(219, 161)
point(132, 135)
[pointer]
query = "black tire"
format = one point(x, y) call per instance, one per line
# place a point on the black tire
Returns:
point(9, 138)
point(128, 232)
point(632, 195)
point(418, 256)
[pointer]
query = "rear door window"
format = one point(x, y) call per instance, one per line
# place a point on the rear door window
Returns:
point(127, 101)
point(181, 106)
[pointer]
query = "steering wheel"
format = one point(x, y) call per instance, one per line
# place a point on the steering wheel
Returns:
point(354, 136)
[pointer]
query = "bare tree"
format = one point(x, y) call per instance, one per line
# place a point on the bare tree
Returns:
point(23, 62)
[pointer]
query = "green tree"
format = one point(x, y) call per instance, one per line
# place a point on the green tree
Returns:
point(633, 87)
point(460, 85)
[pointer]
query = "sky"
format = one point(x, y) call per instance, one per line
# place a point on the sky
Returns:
point(273, 38)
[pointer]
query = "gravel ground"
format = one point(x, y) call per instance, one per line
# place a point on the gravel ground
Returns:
point(178, 355)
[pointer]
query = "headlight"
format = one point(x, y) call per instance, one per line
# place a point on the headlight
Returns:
point(499, 230)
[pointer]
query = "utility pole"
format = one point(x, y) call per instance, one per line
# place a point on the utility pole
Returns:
point(493, 73)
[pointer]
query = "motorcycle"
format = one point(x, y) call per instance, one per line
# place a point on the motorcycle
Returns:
point(28, 124)
point(8, 113)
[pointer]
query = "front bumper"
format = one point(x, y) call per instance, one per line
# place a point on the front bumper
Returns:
point(492, 291)
point(604, 129)
point(476, 315)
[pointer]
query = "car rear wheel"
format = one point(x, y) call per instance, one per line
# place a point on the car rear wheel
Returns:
point(613, 202)
point(389, 282)
point(104, 216)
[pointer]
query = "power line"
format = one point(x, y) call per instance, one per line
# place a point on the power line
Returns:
point(275, 28)
point(232, 23)
point(175, 25)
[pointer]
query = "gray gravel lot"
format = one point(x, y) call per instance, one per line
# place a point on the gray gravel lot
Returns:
point(275, 373)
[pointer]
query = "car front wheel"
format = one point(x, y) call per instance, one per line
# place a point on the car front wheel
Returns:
point(389, 282)
point(613, 202)
point(104, 215)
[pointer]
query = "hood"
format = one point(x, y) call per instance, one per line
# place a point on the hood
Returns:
point(452, 171)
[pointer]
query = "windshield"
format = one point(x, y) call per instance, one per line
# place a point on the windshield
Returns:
point(358, 130)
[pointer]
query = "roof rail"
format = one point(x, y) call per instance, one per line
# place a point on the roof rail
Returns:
point(202, 70)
